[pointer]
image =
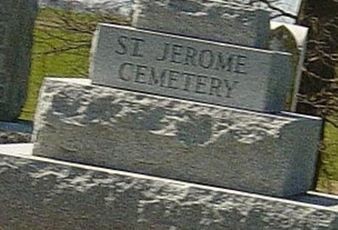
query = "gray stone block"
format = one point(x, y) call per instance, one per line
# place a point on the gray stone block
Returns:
point(39, 193)
point(16, 38)
point(223, 21)
point(186, 68)
point(267, 154)
point(292, 39)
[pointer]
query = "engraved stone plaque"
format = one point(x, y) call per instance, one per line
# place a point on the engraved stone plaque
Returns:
point(192, 69)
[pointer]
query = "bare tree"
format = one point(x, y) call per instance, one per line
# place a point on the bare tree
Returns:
point(318, 93)
point(66, 30)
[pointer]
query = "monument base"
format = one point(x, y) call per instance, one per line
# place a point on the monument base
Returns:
point(40, 193)
point(178, 139)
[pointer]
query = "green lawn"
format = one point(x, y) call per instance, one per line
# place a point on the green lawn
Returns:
point(62, 64)
point(328, 173)
point(50, 60)
point(329, 161)
point(61, 48)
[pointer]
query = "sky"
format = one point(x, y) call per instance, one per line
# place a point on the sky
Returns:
point(292, 6)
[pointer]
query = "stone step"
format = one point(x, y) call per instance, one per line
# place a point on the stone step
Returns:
point(243, 150)
point(40, 193)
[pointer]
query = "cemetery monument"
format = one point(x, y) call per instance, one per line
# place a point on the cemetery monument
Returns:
point(173, 130)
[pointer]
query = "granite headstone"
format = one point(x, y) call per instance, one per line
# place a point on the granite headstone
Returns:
point(223, 21)
point(292, 39)
point(16, 36)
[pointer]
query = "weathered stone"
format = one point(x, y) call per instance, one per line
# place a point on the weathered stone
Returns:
point(211, 20)
point(282, 39)
point(186, 68)
point(16, 35)
point(39, 193)
point(291, 39)
point(243, 150)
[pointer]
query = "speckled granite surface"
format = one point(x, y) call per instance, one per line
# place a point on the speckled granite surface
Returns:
point(224, 21)
point(177, 139)
point(39, 193)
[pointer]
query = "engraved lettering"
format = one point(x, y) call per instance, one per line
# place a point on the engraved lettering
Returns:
point(173, 78)
point(187, 80)
point(240, 64)
point(200, 84)
point(224, 63)
point(215, 87)
point(123, 47)
point(176, 53)
point(193, 82)
point(157, 79)
point(137, 47)
point(206, 59)
point(230, 86)
point(165, 53)
point(140, 74)
point(190, 58)
point(122, 71)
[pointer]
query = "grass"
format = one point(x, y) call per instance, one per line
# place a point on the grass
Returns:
point(328, 177)
point(332, 149)
point(49, 60)
point(61, 48)
point(63, 64)
point(328, 173)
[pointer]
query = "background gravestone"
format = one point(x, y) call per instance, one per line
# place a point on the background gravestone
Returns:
point(16, 36)
point(292, 39)
point(223, 21)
